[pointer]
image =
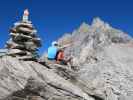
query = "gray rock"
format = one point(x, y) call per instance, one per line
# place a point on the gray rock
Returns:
point(103, 56)
point(25, 78)
point(23, 38)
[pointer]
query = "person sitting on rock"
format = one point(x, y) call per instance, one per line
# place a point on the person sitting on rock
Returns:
point(60, 58)
point(52, 51)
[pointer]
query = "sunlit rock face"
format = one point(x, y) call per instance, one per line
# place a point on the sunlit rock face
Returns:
point(95, 36)
point(103, 55)
point(23, 80)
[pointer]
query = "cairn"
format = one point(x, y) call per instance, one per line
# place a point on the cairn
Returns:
point(23, 42)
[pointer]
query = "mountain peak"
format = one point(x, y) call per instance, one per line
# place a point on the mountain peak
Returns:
point(84, 27)
point(98, 23)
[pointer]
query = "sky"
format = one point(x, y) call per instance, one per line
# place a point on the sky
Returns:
point(53, 18)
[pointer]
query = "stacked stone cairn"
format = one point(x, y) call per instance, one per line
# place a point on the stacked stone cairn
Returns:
point(23, 42)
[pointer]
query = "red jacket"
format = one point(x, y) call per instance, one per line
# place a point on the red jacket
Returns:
point(60, 56)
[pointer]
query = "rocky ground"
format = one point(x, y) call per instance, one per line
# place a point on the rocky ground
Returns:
point(104, 69)
point(21, 80)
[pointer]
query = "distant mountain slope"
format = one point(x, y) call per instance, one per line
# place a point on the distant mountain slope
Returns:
point(104, 58)
point(95, 36)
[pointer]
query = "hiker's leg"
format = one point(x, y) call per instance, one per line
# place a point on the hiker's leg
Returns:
point(69, 65)
point(67, 62)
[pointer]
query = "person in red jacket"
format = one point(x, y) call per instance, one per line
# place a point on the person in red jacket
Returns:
point(61, 58)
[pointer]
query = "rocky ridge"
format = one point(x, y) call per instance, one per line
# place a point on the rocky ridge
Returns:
point(103, 56)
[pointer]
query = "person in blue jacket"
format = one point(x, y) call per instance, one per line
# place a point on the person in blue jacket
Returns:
point(52, 51)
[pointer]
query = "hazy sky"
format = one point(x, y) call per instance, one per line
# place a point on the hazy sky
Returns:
point(52, 18)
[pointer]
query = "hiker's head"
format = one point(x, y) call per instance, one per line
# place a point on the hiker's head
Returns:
point(54, 43)
point(61, 50)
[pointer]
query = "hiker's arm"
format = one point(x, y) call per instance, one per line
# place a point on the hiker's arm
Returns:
point(64, 46)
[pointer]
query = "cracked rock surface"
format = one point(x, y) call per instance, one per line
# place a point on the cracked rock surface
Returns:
point(104, 58)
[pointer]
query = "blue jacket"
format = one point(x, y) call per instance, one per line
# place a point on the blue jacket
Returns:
point(52, 51)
